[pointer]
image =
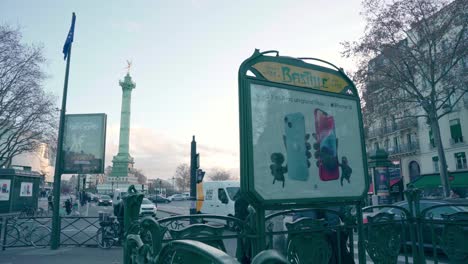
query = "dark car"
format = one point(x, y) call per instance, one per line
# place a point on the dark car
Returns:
point(432, 221)
point(159, 199)
point(105, 200)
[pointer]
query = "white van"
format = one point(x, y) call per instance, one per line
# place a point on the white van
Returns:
point(217, 197)
point(118, 196)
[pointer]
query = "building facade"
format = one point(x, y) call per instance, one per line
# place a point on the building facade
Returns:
point(42, 161)
point(394, 115)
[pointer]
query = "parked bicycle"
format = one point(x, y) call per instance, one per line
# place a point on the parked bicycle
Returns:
point(28, 232)
point(108, 234)
point(27, 211)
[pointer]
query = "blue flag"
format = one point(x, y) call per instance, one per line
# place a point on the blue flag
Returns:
point(69, 40)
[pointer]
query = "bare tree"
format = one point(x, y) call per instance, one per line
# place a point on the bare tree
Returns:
point(140, 176)
point(28, 116)
point(219, 174)
point(412, 60)
point(182, 177)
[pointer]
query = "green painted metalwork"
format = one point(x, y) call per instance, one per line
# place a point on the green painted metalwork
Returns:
point(383, 238)
point(197, 231)
point(454, 237)
point(255, 70)
point(55, 239)
point(449, 232)
point(132, 204)
point(189, 251)
point(413, 196)
point(308, 241)
point(246, 149)
point(269, 257)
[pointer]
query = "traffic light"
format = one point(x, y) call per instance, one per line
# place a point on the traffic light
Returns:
point(200, 175)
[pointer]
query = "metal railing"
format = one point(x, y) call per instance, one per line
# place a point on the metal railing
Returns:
point(75, 231)
point(399, 125)
point(403, 148)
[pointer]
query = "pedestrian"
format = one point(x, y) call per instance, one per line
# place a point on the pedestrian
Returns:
point(120, 214)
point(68, 206)
point(50, 202)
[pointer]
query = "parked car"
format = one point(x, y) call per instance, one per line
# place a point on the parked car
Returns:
point(159, 199)
point(436, 214)
point(147, 208)
point(104, 200)
point(177, 197)
point(186, 195)
point(95, 198)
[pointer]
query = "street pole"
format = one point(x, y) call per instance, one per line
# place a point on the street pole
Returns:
point(55, 236)
point(193, 175)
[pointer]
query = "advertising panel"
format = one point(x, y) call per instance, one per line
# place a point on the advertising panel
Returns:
point(305, 145)
point(5, 190)
point(84, 143)
point(26, 189)
point(381, 180)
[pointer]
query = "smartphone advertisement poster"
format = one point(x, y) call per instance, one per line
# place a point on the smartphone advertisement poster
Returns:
point(26, 189)
point(305, 145)
point(84, 143)
point(5, 190)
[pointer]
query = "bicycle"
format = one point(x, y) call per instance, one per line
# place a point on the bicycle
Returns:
point(38, 236)
point(108, 234)
point(27, 211)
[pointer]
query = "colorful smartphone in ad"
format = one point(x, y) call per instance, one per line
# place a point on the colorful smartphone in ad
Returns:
point(326, 138)
point(295, 141)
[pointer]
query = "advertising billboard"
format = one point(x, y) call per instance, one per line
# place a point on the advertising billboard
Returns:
point(84, 143)
point(305, 145)
point(301, 133)
point(26, 189)
point(5, 190)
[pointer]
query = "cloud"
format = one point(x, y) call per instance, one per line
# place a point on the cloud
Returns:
point(158, 154)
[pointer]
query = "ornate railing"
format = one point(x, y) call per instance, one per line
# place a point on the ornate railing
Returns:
point(390, 234)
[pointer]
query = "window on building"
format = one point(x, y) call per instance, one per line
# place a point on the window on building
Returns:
point(431, 139)
point(408, 139)
point(435, 163)
point(395, 143)
point(414, 170)
point(455, 131)
point(394, 124)
point(376, 145)
point(460, 157)
point(387, 144)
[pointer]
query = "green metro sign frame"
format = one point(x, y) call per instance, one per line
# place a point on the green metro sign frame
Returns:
point(295, 76)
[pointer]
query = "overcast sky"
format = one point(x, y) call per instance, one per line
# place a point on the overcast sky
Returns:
point(185, 55)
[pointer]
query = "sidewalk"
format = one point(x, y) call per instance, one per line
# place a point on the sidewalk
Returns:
point(68, 255)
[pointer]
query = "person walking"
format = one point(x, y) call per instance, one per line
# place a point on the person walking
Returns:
point(50, 203)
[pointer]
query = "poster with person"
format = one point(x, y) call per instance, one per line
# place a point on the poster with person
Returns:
point(84, 143)
point(26, 189)
point(5, 190)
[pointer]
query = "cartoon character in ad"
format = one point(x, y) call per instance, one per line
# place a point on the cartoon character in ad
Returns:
point(298, 150)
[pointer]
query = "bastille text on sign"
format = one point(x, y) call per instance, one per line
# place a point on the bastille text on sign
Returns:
point(293, 75)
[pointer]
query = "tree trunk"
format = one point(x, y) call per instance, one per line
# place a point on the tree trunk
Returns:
point(443, 162)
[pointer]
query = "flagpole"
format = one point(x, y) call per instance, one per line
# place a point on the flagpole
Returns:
point(55, 237)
